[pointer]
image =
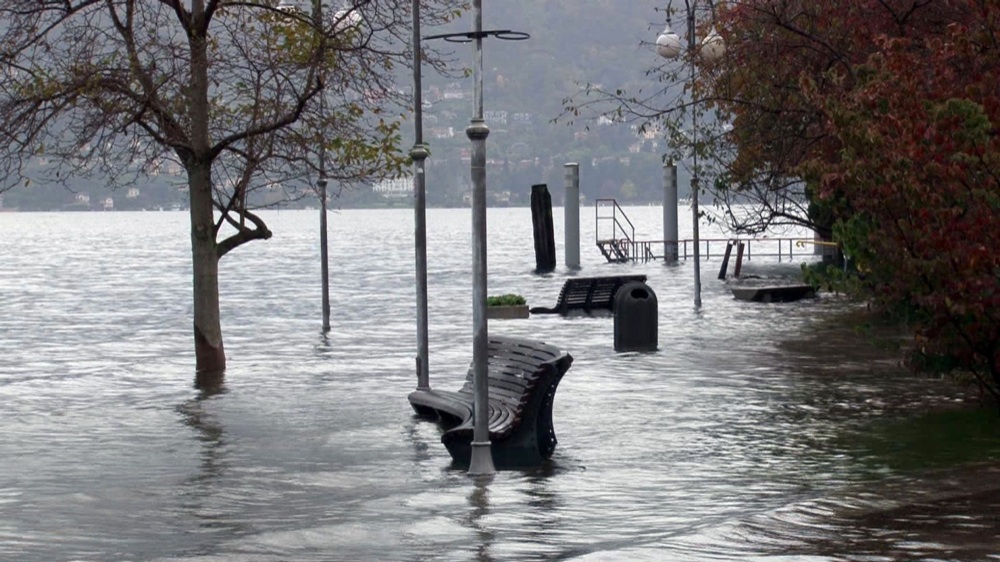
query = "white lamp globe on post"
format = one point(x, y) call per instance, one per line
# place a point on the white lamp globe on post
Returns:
point(668, 44)
point(712, 48)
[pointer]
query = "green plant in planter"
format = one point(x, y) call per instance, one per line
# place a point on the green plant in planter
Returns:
point(505, 300)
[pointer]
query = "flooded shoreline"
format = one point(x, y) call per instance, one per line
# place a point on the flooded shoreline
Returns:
point(755, 432)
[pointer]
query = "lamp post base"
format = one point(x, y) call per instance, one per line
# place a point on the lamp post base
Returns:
point(481, 463)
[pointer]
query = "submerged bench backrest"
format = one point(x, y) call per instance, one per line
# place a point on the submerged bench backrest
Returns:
point(515, 366)
point(593, 292)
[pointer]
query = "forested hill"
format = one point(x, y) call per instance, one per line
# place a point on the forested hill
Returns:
point(572, 43)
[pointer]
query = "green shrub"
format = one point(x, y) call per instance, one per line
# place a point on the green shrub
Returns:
point(505, 300)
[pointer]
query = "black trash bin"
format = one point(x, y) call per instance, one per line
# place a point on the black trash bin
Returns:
point(636, 318)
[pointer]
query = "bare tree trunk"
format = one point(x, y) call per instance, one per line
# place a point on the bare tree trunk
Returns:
point(210, 357)
point(209, 353)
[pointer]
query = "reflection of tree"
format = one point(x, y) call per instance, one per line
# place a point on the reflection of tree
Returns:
point(479, 501)
point(210, 431)
point(199, 490)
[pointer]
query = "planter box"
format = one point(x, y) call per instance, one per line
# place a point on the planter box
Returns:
point(507, 312)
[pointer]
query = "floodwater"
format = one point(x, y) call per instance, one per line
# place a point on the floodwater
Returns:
point(757, 432)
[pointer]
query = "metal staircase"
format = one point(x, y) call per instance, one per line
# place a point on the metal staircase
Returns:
point(615, 232)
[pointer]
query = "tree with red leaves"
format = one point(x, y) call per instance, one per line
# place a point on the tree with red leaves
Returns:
point(888, 111)
point(920, 166)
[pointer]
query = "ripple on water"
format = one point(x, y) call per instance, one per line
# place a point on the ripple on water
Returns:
point(738, 440)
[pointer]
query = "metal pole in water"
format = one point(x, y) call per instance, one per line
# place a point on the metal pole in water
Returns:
point(324, 253)
point(321, 187)
point(571, 210)
point(481, 463)
point(419, 154)
point(692, 45)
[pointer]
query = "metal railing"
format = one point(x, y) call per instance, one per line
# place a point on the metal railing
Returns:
point(619, 231)
point(615, 236)
point(781, 248)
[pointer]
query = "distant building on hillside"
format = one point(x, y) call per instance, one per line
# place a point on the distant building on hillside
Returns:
point(398, 187)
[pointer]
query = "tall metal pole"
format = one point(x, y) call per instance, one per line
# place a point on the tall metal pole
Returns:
point(419, 154)
point(481, 463)
point(323, 251)
point(321, 184)
point(692, 45)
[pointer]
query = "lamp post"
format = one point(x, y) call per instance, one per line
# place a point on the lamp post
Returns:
point(668, 46)
point(317, 22)
point(419, 154)
point(321, 183)
point(481, 463)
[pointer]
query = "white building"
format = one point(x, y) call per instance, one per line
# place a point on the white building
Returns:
point(398, 187)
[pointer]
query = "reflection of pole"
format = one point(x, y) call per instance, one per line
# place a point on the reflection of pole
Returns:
point(321, 184)
point(419, 153)
point(482, 457)
point(692, 45)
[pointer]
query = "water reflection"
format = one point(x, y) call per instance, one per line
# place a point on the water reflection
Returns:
point(421, 448)
point(476, 520)
point(210, 383)
point(195, 414)
point(325, 345)
point(200, 493)
point(767, 431)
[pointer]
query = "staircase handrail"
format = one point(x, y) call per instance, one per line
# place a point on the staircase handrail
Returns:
point(617, 225)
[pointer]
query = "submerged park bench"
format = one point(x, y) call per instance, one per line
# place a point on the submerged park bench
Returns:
point(523, 376)
point(588, 294)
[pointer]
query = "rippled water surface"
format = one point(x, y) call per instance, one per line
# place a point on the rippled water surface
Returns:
point(756, 432)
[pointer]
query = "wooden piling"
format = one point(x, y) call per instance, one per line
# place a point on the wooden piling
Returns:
point(541, 220)
point(739, 259)
point(725, 261)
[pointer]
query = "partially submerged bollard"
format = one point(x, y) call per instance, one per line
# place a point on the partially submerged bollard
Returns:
point(571, 215)
point(636, 318)
point(541, 220)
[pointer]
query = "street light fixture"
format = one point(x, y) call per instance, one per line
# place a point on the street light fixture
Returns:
point(669, 46)
point(481, 463)
point(419, 154)
point(321, 183)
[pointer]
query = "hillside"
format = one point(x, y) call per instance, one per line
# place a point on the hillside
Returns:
point(572, 43)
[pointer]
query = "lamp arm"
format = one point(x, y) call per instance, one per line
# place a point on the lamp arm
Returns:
point(711, 9)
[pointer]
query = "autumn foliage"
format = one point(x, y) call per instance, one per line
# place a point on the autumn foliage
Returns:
point(889, 110)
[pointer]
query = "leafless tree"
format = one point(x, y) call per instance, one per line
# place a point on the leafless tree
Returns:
point(240, 93)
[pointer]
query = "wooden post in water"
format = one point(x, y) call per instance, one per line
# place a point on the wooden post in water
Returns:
point(739, 259)
point(541, 221)
point(725, 261)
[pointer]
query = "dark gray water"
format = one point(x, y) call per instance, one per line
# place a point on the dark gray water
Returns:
point(757, 432)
